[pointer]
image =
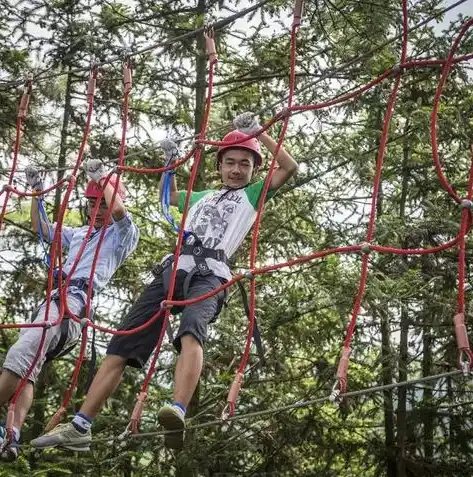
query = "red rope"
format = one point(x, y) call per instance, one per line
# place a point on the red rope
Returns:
point(22, 110)
point(55, 256)
point(236, 386)
point(139, 405)
point(466, 221)
point(465, 355)
point(433, 124)
point(343, 365)
point(127, 81)
point(159, 170)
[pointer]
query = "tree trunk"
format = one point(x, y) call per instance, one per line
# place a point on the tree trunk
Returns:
point(428, 415)
point(387, 374)
point(404, 337)
point(61, 163)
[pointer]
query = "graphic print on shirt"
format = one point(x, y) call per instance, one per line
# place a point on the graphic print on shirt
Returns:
point(210, 221)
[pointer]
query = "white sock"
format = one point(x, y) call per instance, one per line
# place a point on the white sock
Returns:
point(81, 422)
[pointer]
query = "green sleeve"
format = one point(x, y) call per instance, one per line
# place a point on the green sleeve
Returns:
point(195, 197)
point(253, 192)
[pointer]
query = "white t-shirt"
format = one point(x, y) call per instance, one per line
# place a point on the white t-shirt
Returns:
point(221, 219)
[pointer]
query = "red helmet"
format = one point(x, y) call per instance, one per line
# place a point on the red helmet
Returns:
point(94, 191)
point(251, 145)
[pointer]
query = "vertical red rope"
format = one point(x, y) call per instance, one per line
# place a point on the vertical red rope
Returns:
point(433, 123)
point(22, 111)
point(236, 386)
point(465, 355)
point(55, 254)
point(139, 405)
point(343, 365)
point(127, 81)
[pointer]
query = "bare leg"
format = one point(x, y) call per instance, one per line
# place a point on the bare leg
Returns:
point(188, 369)
point(106, 381)
point(23, 405)
point(8, 384)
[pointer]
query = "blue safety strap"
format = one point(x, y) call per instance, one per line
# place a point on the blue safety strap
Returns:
point(44, 218)
point(166, 198)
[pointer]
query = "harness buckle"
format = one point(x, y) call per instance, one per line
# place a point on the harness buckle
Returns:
point(203, 268)
point(157, 270)
point(198, 251)
point(190, 239)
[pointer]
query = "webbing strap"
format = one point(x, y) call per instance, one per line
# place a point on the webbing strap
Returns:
point(44, 218)
point(59, 351)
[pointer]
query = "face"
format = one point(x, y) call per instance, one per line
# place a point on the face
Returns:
point(236, 167)
point(102, 210)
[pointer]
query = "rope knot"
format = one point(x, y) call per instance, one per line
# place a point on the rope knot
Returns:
point(397, 70)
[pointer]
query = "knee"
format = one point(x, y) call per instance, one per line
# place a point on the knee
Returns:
point(114, 362)
point(190, 343)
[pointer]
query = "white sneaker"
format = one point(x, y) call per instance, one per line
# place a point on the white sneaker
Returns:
point(172, 419)
point(64, 435)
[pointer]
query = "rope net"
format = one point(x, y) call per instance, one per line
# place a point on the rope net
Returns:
point(394, 74)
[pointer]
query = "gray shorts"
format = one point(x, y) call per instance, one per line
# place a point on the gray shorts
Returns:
point(137, 347)
point(21, 355)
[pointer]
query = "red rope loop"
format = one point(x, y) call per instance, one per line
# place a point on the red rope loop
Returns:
point(56, 419)
point(209, 35)
point(25, 98)
point(137, 412)
point(298, 11)
point(465, 353)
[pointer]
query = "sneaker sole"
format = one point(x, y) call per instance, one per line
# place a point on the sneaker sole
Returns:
point(78, 448)
point(74, 447)
point(171, 422)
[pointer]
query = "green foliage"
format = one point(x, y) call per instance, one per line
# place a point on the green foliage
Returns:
point(404, 329)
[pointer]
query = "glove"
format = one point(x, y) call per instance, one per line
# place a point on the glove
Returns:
point(246, 123)
point(171, 151)
point(32, 177)
point(94, 169)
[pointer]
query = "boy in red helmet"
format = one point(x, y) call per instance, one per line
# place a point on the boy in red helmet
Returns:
point(120, 239)
point(216, 225)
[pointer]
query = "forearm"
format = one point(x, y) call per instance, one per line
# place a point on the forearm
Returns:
point(284, 160)
point(36, 221)
point(118, 207)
